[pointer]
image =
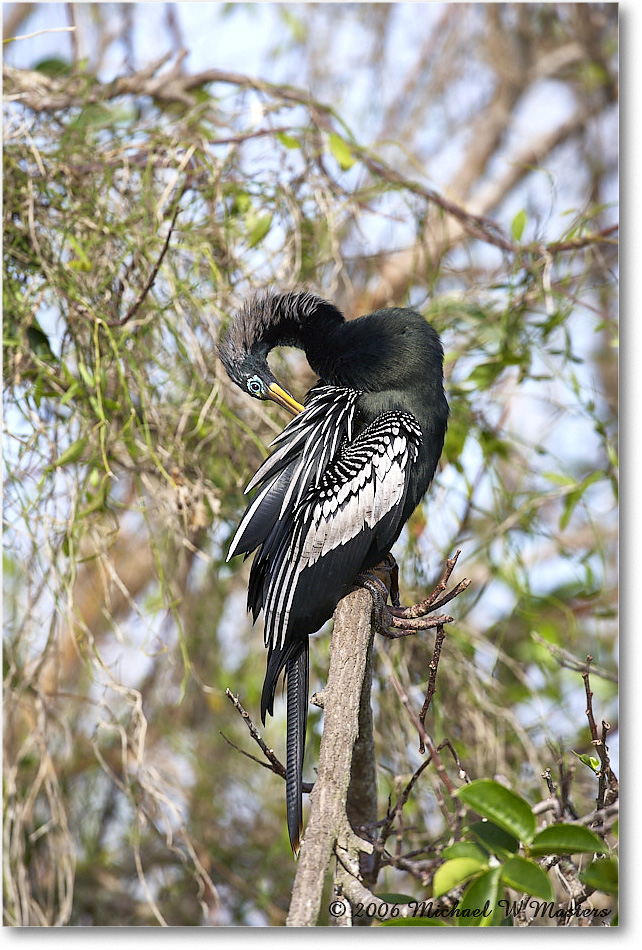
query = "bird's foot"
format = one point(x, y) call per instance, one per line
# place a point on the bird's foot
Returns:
point(396, 621)
point(378, 589)
point(387, 574)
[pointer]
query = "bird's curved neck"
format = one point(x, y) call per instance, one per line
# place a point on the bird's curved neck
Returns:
point(302, 320)
point(388, 351)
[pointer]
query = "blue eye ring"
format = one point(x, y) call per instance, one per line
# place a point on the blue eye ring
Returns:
point(255, 386)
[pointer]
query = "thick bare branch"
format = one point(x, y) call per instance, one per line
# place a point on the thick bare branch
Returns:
point(328, 822)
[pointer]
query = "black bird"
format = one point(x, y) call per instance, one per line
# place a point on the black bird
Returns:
point(345, 476)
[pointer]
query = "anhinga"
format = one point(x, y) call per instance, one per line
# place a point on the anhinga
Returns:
point(345, 476)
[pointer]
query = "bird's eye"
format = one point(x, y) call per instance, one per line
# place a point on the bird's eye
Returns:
point(255, 386)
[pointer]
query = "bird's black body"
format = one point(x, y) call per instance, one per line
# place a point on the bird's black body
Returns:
point(345, 476)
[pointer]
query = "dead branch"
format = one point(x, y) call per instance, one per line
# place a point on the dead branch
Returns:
point(569, 662)
point(606, 776)
point(273, 763)
point(42, 93)
point(154, 271)
point(434, 754)
point(432, 679)
point(443, 233)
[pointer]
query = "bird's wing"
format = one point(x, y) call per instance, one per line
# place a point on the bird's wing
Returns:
point(357, 501)
point(303, 452)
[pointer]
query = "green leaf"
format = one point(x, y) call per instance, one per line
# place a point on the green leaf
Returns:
point(413, 922)
point(456, 436)
point(97, 501)
point(559, 479)
point(341, 151)
point(602, 874)
point(38, 391)
point(86, 375)
point(575, 496)
point(73, 390)
point(298, 26)
point(39, 342)
point(259, 229)
point(518, 225)
point(54, 66)
point(491, 445)
point(288, 140)
point(485, 374)
point(71, 454)
point(479, 904)
point(455, 872)
point(465, 849)
point(525, 875)
point(80, 264)
point(98, 409)
point(612, 455)
point(566, 839)
point(392, 898)
point(508, 810)
point(591, 760)
point(241, 201)
point(495, 839)
point(93, 116)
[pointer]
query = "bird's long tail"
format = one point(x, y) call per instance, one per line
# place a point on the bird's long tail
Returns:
point(297, 672)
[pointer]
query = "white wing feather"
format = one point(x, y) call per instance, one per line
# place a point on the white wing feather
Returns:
point(363, 484)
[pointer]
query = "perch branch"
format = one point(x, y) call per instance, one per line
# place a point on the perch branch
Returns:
point(328, 826)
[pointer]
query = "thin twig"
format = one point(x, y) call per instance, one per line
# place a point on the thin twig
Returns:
point(152, 277)
point(406, 617)
point(606, 776)
point(275, 767)
point(569, 662)
point(30, 36)
point(254, 732)
point(432, 749)
point(278, 769)
point(589, 699)
point(391, 815)
point(447, 744)
point(430, 602)
point(579, 243)
point(478, 226)
point(432, 679)
point(455, 592)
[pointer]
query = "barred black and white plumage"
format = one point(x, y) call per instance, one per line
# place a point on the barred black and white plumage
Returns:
point(344, 476)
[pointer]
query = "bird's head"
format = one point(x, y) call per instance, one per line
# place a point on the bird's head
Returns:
point(298, 318)
point(251, 373)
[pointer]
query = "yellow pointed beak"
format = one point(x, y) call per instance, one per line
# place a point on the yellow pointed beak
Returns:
point(283, 398)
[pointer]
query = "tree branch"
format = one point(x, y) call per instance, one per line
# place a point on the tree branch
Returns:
point(445, 230)
point(328, 823)
point(361, 804)
point(273, 763)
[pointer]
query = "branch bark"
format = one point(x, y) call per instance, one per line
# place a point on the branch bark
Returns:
point(328, 825)
point(361, 803)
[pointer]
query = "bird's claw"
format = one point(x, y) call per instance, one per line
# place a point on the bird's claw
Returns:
point(378, 589)
point(395, 621)
point(390, 566)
